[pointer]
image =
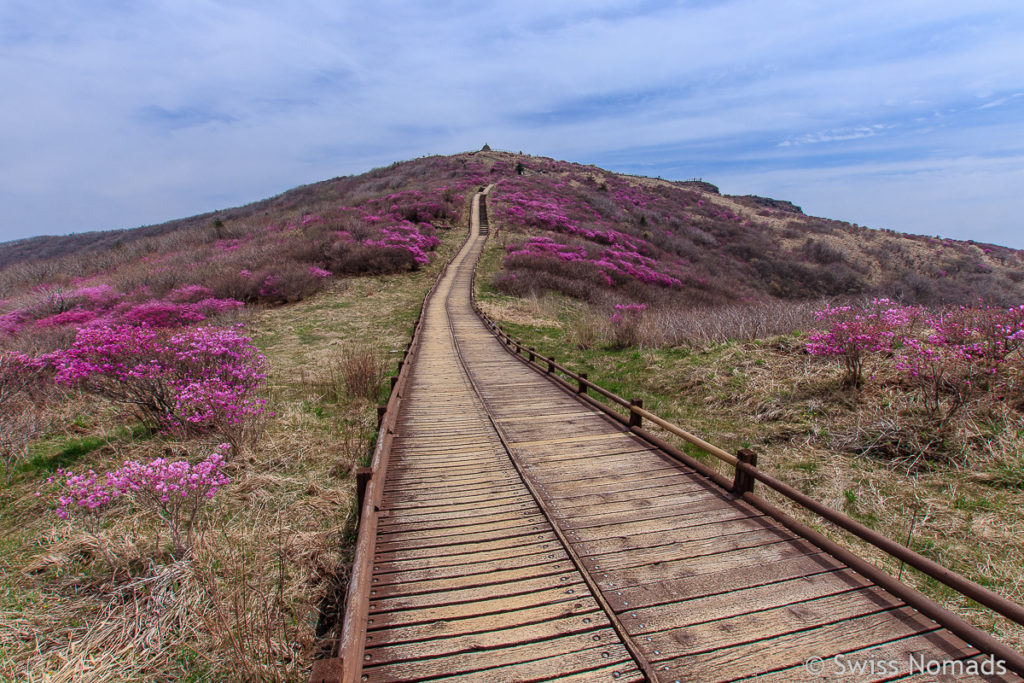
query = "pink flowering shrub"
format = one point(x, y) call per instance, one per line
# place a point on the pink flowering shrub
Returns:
point(162, 314)
point(11, 323)
point(407, 237)
point(204, 379)
point(625, 324)
point(168, 313)
point(948, 358)
point(189, 294)
point(96, 296)
point(615, 264)
point(968, 352)
point(854, 334)
point(633, 233)
point(73, 317)
point(174, 490)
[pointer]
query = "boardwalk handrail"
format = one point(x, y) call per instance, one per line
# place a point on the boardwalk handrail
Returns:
point(745, 470)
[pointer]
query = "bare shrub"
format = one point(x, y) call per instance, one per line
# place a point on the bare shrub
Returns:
point(21, 423)
point(22, 415)
point(535, 275)
point(701, 326)
point(360, 373)
point(263, 630)
point(234, 283)
point(287, 282)
point(588, 332)
point(625, 325)
point(351, 258)
point(820, 252)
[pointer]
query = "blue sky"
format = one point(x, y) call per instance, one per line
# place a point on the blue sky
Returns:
point(905, 115)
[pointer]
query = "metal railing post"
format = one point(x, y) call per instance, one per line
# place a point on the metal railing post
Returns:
point(635, 419)
point(743, 482)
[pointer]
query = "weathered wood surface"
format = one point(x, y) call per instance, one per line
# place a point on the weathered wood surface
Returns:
point(523, 536)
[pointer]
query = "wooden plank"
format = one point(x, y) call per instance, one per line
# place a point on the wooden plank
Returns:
point(901, 658)
point(794, 649)
point(558, 668)
point(584, 613)
point(642, 479)
point(466, 570)
point(709, 636)
point(526, 537)
point(739, 601)
point(716, 582)
point(487, 605)
point(549, 568)
point(586, 472)
point(454, 526)
point(483, 475)
point(458, 496)
point(679, 570)
point(685, 552)
point(593, 654)
point(447, 558)
point(494, 532)
point(696, 504)
point(669, 499)
point(716, 513)
point(458, 512)
point(624, 454)
point(596, 548)
point(587, 495)
point(567, 441)
point(503, 478)
point(570, 412)
point(493, 455)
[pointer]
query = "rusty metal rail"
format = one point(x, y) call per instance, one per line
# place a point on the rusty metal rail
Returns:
point(746, 472)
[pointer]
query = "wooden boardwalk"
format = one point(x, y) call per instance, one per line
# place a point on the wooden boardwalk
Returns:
point(524, 536)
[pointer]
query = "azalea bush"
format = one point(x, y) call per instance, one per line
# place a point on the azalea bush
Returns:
point(200, 380)
point(854, 334)
point(967, 353)
point(175, 491)
point(947, 358)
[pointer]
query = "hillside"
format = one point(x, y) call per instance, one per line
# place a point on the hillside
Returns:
point(606, 237)
point(576, 229)
point(272, 252)
point(250, 347)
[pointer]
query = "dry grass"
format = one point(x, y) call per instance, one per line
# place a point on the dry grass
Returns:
point(699, 327)
point(263, 580)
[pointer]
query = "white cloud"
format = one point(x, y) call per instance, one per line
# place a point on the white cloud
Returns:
point(128, 113)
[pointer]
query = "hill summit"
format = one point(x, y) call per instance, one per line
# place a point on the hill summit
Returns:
point(579, 230)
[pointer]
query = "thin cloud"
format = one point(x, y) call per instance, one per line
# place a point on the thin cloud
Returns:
point(837, 135)
point(137, 113)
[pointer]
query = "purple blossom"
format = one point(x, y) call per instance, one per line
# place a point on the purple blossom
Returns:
point(175, 490)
